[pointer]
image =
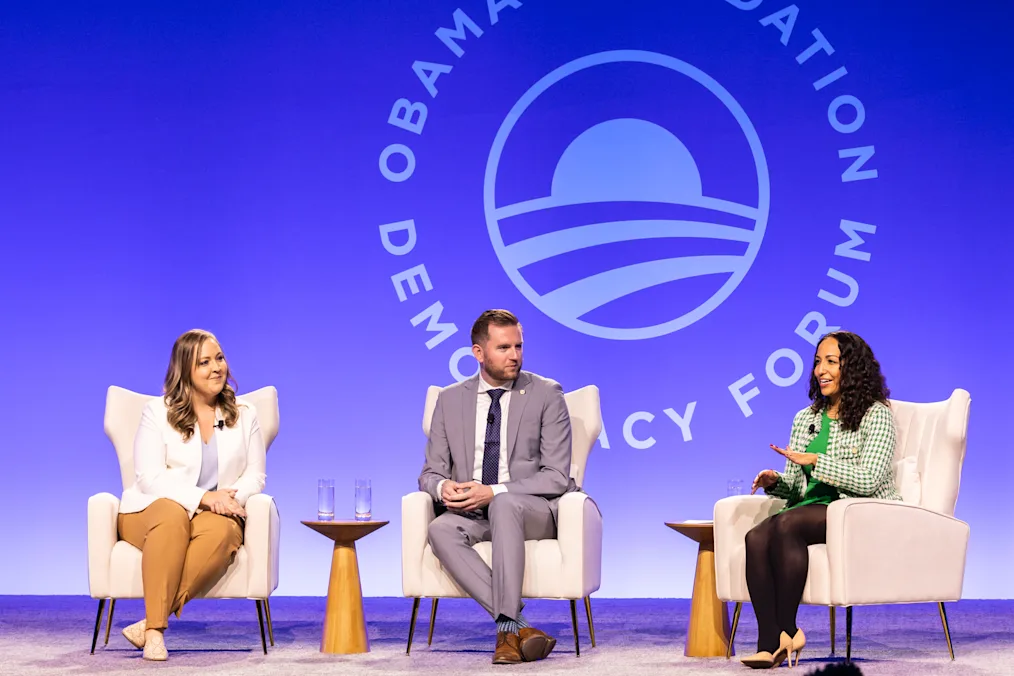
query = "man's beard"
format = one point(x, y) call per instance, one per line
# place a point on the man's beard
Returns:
point(502, 373)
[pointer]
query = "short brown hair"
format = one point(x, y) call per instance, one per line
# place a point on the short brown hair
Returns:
point(480, 329)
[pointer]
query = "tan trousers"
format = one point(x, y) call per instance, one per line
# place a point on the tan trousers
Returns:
point(180, 557)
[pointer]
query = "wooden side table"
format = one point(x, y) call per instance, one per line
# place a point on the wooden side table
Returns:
point(708, 629)
point(344, 621)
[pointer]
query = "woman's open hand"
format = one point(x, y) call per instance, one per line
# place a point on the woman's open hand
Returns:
point(797, 457)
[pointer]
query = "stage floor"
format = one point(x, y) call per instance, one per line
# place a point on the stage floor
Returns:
point(52, 635)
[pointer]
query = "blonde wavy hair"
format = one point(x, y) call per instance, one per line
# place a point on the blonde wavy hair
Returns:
point(178, 387)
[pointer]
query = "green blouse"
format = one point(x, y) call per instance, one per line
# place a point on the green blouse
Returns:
point(817, 493)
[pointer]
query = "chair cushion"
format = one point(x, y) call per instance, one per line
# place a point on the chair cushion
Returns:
point(544, 577)
point(125, 575)
point(818, 578)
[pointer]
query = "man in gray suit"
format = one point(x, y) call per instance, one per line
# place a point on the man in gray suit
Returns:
point(498, 458)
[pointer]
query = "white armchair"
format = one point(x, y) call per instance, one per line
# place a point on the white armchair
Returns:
point(114, 565)
point(569, 567)
point(877, 551)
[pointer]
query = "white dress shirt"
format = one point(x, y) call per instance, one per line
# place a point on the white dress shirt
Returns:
point(482, 405)
point(481, 414)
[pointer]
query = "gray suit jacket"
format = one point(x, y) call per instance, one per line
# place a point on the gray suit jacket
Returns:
point(538, 438)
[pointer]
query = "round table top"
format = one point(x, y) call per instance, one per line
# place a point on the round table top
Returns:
point(698, 531)
point(345, 531)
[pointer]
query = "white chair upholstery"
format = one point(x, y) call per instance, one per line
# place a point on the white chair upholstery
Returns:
point(569, 567)
point(877, 551)
point(114, 566)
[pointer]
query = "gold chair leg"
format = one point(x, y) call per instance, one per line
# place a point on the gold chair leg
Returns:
point(591, 624)
point(109, 619)
point(848, 635)
point(411, 625)
point(260, 623)
point(833, 630)
point(573, 621)
point(732, 635)
point(98, 624)
point(947, 629)
point(271, 628)
point(433, 620)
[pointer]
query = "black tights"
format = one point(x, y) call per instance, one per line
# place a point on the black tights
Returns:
point(776, 566)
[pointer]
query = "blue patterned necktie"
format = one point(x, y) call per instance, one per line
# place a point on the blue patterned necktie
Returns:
point(491, 449)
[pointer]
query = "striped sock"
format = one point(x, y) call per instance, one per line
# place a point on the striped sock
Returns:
point(504, 623)
point(511, 626)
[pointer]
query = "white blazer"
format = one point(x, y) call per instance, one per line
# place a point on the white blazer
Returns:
point(166, 467)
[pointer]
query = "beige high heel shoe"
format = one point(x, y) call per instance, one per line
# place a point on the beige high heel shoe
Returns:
point(798, 643)
point(766, 660)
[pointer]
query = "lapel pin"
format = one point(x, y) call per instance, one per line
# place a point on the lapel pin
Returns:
point(522, 391)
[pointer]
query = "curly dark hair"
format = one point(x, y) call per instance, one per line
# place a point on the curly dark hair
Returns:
point(861, 383)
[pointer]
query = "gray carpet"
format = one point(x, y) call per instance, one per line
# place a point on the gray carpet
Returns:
point(52, 635)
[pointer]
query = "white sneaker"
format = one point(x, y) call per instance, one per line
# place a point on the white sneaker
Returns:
point(135, 633)
point(154, 648)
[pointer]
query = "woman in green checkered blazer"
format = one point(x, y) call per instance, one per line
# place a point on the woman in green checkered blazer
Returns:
point(841, 446)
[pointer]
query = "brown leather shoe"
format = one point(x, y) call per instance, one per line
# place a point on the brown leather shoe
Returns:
point(535, 644)
point(508, 649)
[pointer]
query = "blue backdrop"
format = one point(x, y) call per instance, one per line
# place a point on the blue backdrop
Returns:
point(673, 197)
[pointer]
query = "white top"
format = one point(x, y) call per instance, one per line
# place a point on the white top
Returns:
point(208, 479)
point(165, 466)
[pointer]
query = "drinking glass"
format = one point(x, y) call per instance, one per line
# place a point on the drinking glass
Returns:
point(364, 500)
point(325, 499)
point(735, 487)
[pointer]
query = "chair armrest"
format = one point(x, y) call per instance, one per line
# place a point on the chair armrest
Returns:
point(417, 511)
point(734, 517)
point(103, 508)
point(579, 532)
point(261, 538)
point(887, 551)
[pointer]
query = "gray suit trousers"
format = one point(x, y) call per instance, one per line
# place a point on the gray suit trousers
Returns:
point(513, 518)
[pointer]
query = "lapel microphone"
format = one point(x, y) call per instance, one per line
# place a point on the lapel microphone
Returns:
point(221, 425)
point(813, 429)
point(489, 419)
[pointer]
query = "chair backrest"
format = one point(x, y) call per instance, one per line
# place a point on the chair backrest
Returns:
point(123, 416)
point(585, 425)
point(585, 422)
point(930, 450)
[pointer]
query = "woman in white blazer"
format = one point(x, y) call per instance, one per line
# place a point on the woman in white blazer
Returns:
point(199, 456)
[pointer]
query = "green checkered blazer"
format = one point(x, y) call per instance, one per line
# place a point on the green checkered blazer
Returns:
point(858, 464)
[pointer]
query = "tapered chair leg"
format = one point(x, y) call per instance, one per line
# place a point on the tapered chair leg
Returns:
point(732, 634)
point(947, 629)
point(271, 628)
point(260, 623)
point(109, 619)
point(591, 623)
point(848, 635)
point(433, 620)
point(411, 625)
point(98, 624)
point(573, 622)
point(833, 630)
